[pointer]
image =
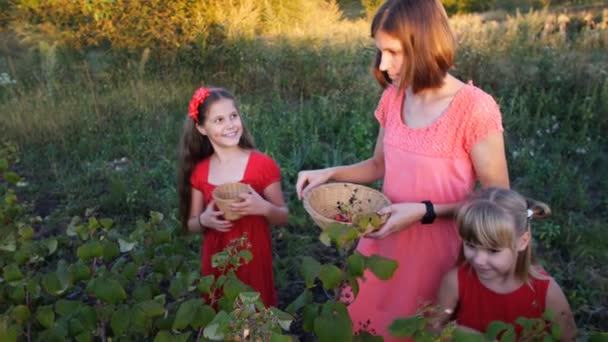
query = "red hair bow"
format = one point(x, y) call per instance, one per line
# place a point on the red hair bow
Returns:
point(199, 97)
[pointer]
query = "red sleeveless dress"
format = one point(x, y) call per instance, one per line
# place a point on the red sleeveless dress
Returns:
point(260, 172)
point(479, 306)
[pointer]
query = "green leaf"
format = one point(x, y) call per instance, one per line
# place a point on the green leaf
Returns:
point(163, 236)
point(90, 250)
point(106, 223)
point(556, 331)
point(93, 225)
point(120, 321)
point(80, 271)
point(8, 244)
point(156, 217)
point(51, 245)
point(185, 313)
point(54, 284)
point(406, 327)
point(509, 335)
point(21, 313)
point(203, 316)
point(151, 308)
point(310, 270)
point(107, 290)
point(45, 316)
point(330, 275)
point(163, 336)
point(245, 255)
point(213, 331)
point(284, 319)
point(355, 264)
point(11, 177)
point(599, 337)
point(3, 164)
point(110, 250)
point(8, 333)
point(365, 336)
point(179, 286)
point(205, 283)
point(232, 288)
point(311, 312)
point(126, 246)
point(494, 329)
point(276, 337)
point(18, 294)
point(467, 336)
point(12, 273)
point(303, 299)
point(65, 307)
point(26, 232)
point(382, 267)
point(334, 324)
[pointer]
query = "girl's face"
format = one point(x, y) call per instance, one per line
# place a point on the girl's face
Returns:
point(492, 264)
point(392, 55)
point(222, 124)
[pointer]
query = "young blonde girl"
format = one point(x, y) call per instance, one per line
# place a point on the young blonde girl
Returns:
point(498, 279)
point(216, 148)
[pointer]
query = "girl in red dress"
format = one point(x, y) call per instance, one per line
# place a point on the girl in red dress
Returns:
point(498, 280)
point(216, 148)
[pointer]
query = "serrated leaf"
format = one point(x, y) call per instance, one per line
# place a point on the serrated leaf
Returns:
point(54, 284)
point(179, 285)
point(381, 267)
point(8, 244)
point(245, 255)
point(284, 319)
point(232, 288)
point(330, 276)
point(45, 316)
point(203, 316)
point(8, 332)
point(276, 337)
point(310, 269)
point(213, 331)
point(205, 283)
point(65, 307)
point(365, 336)
point(494, 329)
point(26, 232)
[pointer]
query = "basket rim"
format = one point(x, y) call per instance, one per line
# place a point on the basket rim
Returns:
point(325, 220)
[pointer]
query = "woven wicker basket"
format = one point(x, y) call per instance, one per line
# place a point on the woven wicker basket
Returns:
point(226, 194)
point(322, 202)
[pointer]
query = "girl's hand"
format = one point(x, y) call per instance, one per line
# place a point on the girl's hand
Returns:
point(311, 178)
point(252, 204)
point(210, 218)
point(402, 215)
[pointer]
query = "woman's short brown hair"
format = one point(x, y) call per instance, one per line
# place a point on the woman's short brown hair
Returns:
point(428, 42)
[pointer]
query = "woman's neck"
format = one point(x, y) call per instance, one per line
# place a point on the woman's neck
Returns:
point(226, 155)
point(503, 284)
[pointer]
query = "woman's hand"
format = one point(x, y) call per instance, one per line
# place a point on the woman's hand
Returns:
point(402, 215)
point(311, 178)
point(252, 204)
point(210, 218)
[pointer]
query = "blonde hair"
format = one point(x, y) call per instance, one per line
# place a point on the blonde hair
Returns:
point(495, 218)
point(428, 42)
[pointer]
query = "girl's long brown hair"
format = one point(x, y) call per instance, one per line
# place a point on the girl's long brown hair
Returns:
point(194, 147)
point(494, 218)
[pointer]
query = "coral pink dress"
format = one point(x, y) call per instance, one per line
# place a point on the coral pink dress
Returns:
point(431, 163)
point(260, 172)
point(480, 306)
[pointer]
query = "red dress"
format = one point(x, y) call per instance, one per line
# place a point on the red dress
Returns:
point(479, 306)
point(260, 172)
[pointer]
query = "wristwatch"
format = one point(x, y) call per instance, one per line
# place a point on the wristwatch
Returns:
point(430, 215)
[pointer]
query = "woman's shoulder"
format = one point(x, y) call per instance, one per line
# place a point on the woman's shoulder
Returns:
point(476, 99)
point(261, 157)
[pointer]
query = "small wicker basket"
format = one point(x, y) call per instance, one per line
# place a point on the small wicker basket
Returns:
point(226, 194)
point(322, 202)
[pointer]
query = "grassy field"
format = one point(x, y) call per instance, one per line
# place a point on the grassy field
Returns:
point(98, 128)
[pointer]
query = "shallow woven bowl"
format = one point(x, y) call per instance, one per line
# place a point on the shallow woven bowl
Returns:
point(226, 194)
point(321, 203)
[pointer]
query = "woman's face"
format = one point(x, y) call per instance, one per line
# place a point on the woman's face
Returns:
point(392, 55)
point(222, 124)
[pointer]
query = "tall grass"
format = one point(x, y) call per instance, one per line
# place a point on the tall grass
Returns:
point(98, 127)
